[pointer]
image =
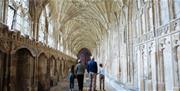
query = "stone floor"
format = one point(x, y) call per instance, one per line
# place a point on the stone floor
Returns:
point(64, 86)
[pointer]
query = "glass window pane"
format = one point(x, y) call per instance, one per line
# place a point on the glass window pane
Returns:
point(137, 27)
point(143, 24)
point(26, 27)
point(177, 8)
point(50, 38)
point(10, 17)
point(42, 27)
point(11, 2)
point(164, 12)
point(18, 22)
point(150, 18)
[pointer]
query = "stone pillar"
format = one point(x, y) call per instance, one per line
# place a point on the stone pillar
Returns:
point(168, 63)
point(12, 72)
point(153, 56)
point(141, 67)
point(160, 72)
point(35, 75)
point(176, 61)
point(149, 85)
point(2, 10)
point(142, 85)
point(7, 73)
point(161, 86)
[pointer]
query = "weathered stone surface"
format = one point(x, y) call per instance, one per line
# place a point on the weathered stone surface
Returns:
point(137, 41)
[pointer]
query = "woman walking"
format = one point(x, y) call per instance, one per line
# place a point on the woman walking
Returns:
point(79, 71)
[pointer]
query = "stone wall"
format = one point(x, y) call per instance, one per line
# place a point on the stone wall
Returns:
point(26, 63)
point(141, 49)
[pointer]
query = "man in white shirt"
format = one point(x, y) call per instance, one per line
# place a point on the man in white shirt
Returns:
point(101, 76)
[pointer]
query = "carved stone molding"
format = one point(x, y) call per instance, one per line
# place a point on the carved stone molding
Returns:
point(163, 42)
point(12, 41)
point(4, 45)
point(151, 45)
point(176, 39)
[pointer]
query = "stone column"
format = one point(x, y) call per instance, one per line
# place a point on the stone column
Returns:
point(35, 75)
point(168, 66)
point(152, 54)
point(7, 73)
point(149, 66)
point(176, 61)
point(12, 72)
point(2, 10)
point(161, 83)
point(142, 85)
point(176, 68)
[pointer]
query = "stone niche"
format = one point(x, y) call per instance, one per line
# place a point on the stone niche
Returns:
point(42, 72)
point(22, 70)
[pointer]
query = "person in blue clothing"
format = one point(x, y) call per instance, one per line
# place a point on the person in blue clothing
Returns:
point(71, 78)
point(92, 69)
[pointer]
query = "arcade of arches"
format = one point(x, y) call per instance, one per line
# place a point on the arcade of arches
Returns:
point(138, 41)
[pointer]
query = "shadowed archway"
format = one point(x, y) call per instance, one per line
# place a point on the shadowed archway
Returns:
point(24, 69)
point(86, 52)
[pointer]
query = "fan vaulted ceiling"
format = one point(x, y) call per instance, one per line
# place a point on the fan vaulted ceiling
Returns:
point(83, 23)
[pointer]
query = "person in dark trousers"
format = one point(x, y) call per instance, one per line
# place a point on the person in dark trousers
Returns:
point(101, 76)
point(79, 71)
point(40, 86)
point(92, 69)
point(71, 78)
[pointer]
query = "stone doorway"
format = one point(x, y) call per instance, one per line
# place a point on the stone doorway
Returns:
point(86, 55)
point(24, 70)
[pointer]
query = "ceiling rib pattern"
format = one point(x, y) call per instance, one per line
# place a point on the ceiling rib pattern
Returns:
point(83, 23)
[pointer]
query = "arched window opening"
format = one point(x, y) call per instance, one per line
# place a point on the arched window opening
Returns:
point(18, 16)
point(42, 31)
point(50, 37)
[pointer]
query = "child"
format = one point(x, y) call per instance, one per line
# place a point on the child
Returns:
point(101, 76)
point(71, 77)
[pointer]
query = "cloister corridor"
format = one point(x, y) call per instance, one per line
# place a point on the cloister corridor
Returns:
point(136, 41)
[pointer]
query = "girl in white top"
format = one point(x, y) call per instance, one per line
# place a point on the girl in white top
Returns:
point(101, 76)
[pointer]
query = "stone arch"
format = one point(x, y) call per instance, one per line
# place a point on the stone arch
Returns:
point(42, 71)
point(31, 50)
point(22, 72)
point(42, 53)
point(53, 73)
point(86, 52)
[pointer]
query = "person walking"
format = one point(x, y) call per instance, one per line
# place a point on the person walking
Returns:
point(79, 71)
point(101, 76)
point(92, 69)
point(71, 78)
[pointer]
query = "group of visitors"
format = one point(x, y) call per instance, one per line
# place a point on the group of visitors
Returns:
point(92, 69)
